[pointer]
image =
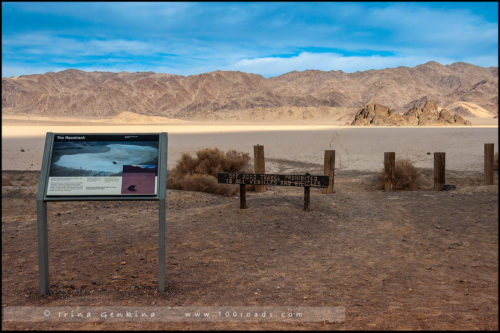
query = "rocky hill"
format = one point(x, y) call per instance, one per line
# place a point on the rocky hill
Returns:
point(237, 95)
point(427, 114)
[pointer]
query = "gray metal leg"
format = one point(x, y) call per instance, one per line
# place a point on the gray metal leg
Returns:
point(161, 246)
point(43, 247)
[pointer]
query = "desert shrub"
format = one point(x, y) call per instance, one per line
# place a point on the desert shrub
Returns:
point(406, 176)
point(208, 184)
point(200, 173)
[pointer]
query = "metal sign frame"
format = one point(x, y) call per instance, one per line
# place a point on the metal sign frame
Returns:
point(42, 199)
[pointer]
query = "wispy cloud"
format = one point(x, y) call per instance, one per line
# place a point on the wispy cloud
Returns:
point(272, 66)
point(264, 38)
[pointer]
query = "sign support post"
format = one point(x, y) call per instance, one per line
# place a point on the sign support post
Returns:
point(43, 247)
point(162, 174)
point(41, 210)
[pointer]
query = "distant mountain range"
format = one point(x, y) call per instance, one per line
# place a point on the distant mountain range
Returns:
point(461, 88)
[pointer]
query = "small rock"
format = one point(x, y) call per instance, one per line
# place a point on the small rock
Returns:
point(123, 263)
point(438, 227)
point(449, 187)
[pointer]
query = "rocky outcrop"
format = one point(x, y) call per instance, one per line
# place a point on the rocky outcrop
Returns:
point(429, 115)
point(426, 115)
point(377, 115)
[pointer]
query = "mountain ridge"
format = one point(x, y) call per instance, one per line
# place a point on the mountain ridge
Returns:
point(235, 94)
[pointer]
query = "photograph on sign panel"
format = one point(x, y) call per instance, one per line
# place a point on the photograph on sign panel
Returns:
point(103, 165)
point(138, 179)
point(100, 158)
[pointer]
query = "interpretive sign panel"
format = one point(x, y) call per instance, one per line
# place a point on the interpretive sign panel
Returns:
point(273, 180)
point(79, 167)
point(107, 165)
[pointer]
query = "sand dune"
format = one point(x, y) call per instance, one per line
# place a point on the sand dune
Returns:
point(128, 118)
point(124, 118)
point(474, 109)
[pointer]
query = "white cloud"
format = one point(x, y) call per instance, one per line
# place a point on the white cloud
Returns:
point(17, 70)
point(272, 66)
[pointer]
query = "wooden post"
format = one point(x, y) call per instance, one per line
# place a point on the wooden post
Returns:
point(259, 165)
point(307, 198)
point(243, 196)
point(329, 169)
point(489, 152)
point(389, 170)
point(439, 170)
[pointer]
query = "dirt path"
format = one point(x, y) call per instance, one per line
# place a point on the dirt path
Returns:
point(402, 260)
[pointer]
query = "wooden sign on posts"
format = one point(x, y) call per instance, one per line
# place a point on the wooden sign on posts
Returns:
point(307, 181)
point(273, 179)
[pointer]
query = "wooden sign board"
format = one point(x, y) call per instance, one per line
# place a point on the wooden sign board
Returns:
point(306, 181)
point(272, 179)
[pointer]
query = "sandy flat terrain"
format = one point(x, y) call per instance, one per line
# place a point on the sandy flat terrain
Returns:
point(357, 148)
point(402, 260)
point(419, 260)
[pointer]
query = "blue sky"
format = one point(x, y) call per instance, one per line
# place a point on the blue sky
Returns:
point(265, 38)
